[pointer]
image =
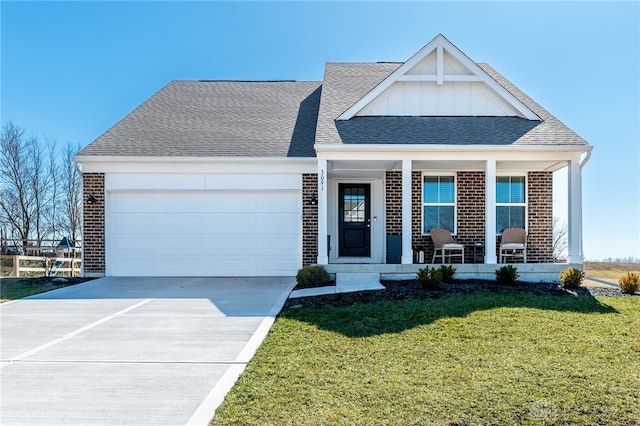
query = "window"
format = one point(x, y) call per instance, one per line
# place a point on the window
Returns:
point(438, 203)
point(511, 202)
point(353, 205)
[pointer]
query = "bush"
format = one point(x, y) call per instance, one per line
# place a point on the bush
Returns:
point(447, 272)
point(507, 275)
point(629, 283)
point(571, 278)
point(429, 279)
point(313, 276)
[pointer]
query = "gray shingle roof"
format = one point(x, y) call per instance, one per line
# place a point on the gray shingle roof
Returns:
point(285, 119)
point(345, 84)
point(220, 118)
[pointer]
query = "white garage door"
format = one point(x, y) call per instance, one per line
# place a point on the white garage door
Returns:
point(204, 234)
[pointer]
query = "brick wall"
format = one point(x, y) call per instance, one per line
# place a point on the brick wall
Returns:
point(309, 219)
point(393, 204)
point(540, 227)
point(471, 211)
point(93, 225)
point(393, 191)
point(419, 242)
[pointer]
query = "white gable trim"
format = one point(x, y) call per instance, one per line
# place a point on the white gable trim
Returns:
point(439, 44)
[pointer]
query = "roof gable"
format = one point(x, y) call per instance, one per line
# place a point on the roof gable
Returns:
point(439, 80)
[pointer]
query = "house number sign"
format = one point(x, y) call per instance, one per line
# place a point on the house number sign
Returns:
point(322, 180)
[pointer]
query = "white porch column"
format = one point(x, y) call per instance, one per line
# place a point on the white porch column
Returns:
point(407, 250)
point(490, 213)
point(575, 212)
point(323, 258)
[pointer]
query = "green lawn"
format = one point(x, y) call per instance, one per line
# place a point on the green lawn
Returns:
point(480, 358)
point(17, 288)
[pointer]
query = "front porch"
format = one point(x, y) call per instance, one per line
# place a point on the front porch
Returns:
point(397, 209)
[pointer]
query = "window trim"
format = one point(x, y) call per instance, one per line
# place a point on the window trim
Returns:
point(454, 204)
point(526, 197)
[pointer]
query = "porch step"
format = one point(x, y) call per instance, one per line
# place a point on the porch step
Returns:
point(357, 281)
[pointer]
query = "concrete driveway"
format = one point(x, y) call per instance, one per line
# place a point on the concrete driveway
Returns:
point(137, 351)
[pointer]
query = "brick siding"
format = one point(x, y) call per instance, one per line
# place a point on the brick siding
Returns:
point(393, 204)
point(471, 212)
point(309, 219)
point(93, 225)
point(540, 202)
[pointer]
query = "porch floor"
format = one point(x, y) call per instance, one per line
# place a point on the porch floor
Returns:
point(530, 272)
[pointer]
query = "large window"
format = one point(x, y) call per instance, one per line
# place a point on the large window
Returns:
point(511, 203)
point(438, 203)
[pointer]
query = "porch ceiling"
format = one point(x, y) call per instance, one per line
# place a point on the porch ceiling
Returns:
point(366, 168)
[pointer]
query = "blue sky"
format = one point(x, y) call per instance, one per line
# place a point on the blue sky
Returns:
point(70, 70)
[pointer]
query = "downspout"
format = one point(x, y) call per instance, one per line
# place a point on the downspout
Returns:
point(582, 164)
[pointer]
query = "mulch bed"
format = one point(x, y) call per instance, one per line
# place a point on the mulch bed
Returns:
point(400, 290)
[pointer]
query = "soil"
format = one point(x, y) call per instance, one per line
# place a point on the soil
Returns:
point(400, 290)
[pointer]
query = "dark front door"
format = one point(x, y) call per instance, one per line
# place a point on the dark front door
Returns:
point(354, 221)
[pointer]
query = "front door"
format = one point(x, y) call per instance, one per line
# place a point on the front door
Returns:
point(354, 219)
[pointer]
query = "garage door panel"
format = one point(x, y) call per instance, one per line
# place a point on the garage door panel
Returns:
point(225, 203)
point(277, 222)
point(125, 222)
point(185, 223)
point(276, 265)
point(228, 223)
point(204, 234)
point(275, 244)
point(135, 203)
point(276, 203)
point(228, 266)
point(229, 243)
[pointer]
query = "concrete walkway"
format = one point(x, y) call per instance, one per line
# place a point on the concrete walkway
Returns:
point(137, 351)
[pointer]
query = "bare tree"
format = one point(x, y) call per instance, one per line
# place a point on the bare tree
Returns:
point(40, 191)
point(52, 210)
point(17, 201)
point(43, 179)
point(560, 241)
point(72, 186)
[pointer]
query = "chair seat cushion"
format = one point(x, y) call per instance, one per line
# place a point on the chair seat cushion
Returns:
point(453, 246)
point(512, 246)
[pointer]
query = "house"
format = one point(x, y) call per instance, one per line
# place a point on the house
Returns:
point(236, 178)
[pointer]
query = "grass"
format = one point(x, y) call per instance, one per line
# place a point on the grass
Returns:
point(482, 358)
point(17, 288)
point(609, 270)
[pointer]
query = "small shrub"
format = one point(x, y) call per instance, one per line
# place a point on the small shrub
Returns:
point(312, 276)
point(507, 275)
point(429, 279)
point(629, 283)
point(571, 278)
point(447, 272)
